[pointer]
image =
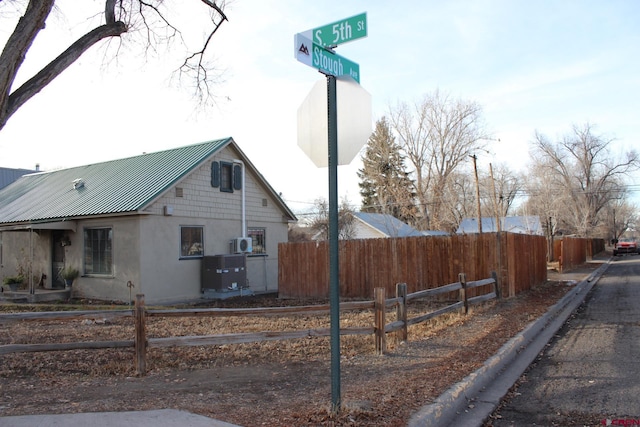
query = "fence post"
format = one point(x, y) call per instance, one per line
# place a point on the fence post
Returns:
point(463, 292)
point(141, 336)
point(401, 309)
point(496, 286)
point(379, 306)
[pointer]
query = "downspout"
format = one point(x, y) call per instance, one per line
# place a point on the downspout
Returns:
point(244, 217)
point(32, 290)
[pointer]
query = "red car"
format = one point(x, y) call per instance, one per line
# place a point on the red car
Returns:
point(625, 246)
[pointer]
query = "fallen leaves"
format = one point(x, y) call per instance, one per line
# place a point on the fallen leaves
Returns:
point(272, 383)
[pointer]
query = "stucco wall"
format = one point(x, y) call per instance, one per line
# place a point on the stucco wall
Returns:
point(166, 277)
point(126, 255)
point(25, 250)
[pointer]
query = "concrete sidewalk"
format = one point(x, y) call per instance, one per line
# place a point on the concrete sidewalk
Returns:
point(157, 418)
point(469, 402)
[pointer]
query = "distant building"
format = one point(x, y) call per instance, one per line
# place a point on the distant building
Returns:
point(376, 225)
point(511, 224)
point(8, 175)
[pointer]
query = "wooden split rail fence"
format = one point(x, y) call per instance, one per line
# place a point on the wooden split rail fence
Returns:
point(141, 342)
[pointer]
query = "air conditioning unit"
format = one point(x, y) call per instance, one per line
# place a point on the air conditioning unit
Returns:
point(242, 245)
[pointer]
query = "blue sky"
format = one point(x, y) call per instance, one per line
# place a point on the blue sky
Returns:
point(532, 65)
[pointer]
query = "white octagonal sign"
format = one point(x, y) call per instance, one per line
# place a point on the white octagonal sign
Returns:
point(354, 121)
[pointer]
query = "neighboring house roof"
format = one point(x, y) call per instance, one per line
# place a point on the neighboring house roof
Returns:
point(7, 175)
point(512, 224)
point(387, 225)
point(434, 233)
point(121, 186)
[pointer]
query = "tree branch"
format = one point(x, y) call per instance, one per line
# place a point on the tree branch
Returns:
point(17, 46)
point(57, 66)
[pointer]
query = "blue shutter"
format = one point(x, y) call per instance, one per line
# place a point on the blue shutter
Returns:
point(215, 174)
point(237, 177)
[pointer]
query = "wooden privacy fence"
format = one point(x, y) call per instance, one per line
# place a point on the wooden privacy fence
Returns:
point(574, 251)
point(421, 262)
point(141, 342)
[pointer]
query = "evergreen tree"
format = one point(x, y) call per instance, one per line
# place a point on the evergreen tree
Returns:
point(385, 185)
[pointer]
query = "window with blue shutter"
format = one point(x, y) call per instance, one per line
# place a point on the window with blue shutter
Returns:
point(237, 177)
point(215, 174)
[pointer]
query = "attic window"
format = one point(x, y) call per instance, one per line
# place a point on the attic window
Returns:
point(226, 177)
point(77, 183)
point(179, 192)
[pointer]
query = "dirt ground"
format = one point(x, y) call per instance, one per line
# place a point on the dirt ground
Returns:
point(277, 383)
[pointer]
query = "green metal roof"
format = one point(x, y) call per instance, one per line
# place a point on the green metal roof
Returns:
point(117, 186)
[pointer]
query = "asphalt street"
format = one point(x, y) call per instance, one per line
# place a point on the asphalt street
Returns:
point(589, 374)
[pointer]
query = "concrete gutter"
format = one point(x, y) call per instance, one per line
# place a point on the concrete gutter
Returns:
point(472, 400)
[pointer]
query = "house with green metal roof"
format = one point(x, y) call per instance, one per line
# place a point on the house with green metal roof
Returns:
point(174, 225)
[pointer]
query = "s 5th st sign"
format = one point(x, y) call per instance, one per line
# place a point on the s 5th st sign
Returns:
point(339, 32)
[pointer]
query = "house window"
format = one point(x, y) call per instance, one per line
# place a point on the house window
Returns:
point(226, 177)
point(98, 250)
point(258, 240)
point(191, 242)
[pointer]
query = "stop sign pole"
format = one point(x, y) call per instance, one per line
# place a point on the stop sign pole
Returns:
point(334, 260)
point(316, 55)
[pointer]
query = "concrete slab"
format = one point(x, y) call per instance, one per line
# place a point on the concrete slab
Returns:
point(156, 418)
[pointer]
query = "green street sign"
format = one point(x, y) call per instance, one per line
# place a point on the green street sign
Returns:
point(340, 32)
point(325, 61)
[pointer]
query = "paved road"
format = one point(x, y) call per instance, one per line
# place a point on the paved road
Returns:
point(590, 372)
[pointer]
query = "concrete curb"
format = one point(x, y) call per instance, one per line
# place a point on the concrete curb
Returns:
point(472, 400)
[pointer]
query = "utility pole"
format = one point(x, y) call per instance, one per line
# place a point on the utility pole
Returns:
point(475, 170)
point(495, 200)
point(498, 213)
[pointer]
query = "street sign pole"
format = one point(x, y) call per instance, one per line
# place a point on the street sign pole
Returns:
point(334, 264)
point(321, 57)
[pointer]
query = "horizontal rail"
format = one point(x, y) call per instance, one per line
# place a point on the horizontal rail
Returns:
point(64, 315)
point(452, 287)
point(30, 348)
point(261, 311)
point(394, 326)
point(251, 337)
point(436, 313)
point(482, 282)
point(482, 298)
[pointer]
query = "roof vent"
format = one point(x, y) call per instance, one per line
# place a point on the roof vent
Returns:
point(78, 183)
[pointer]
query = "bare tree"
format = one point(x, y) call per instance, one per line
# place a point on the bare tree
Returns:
point(459, 200)
point(620, 217)
point(438, 134)
point(147, 17)
point(581, 170)
point(507, 184)
point(319, 223)
point(298, 233)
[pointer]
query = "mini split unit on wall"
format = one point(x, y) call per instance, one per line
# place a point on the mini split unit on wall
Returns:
point(242, 245)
